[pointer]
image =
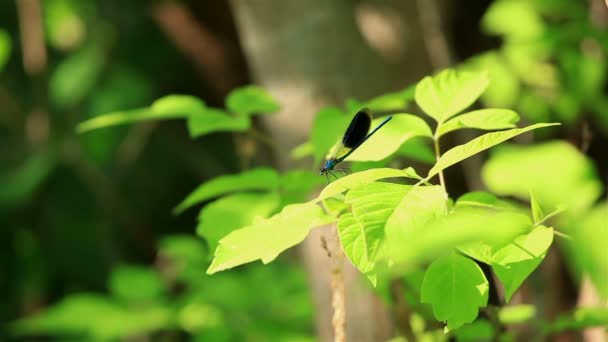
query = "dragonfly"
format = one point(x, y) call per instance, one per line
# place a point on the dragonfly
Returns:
point(356, 134)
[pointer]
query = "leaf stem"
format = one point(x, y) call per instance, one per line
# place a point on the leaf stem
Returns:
point(437, 155)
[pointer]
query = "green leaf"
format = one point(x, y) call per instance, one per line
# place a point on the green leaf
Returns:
point(461, 227)
point(481, 199)
point(537, 211)
point(462, 152)
point(297, 185)
point(590, 243)
point(516, 314)
point(186, 254)
point(215, 120)
point(19, 185)
point(303, 150)
point(354, 243)
point(130, 283)
point(360, 178)
point(255, 179)
point(418, 149)
point(480, 330)
point(387, 140)
point(96, 317)
point(456, 288)
point(362, 232)
point(514, 263)
point(421, 206)
point(515, 19)
point(328, 127)
point(74, 78)
point(251, 100)
point(449, 93)
point(486, 119)
point(504, 86)
point(395, 101)
point(168, 107)
point(556, 172)
point(221, 217)
point(5, 48)
point(266, 239)
point(580, 319)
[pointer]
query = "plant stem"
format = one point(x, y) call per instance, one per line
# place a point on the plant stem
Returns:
point(437, 155)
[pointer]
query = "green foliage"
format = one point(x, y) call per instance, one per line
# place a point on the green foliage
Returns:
point(251, 100)
point(402, 128)
point(91, 316)
point(456, 287)
point(516, 314)
point(486, 119)
point(136, 284)
point(232, 212)
point(479, 144)
point(260, 240)
point(19, 185)
point(362, 233)
point(241, 102)
point(256, 179)
point(448, 93)
point(5, 48)
point(556, 173)
point(514, 263)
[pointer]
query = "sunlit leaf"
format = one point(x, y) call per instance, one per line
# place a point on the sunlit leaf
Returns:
point(5, 48)
point(537, 211)
point(516, 314)
point(514, 263)
point(250, 100)
point(557, 174)
point(456, 288)
point(421, 206)
point(219, 218)
point(266, 239)
point(362, 232)
point(462, 152)
point(486, 119)
point(482, 199)
point(360, 178)
point(461, 227)
point(255, 179)
point(517, 19)
point(354, 243)
point(590, 235)
point(390, 137)
point(395, 101)
point(504, 87)
point(215, 120)
point(449, 92)
point(168, 107)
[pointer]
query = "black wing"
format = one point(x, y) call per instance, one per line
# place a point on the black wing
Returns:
point(358, 128)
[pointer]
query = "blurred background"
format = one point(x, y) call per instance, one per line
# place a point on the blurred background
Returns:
point(88, 242)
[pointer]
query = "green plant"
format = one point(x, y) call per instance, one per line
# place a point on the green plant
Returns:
point(391, 229)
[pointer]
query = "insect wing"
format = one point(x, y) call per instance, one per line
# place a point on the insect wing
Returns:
point(357, 130)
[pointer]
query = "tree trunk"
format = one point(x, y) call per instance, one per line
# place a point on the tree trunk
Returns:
point(315, 53)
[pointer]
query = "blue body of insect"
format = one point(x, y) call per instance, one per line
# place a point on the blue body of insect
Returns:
point(355, 135)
